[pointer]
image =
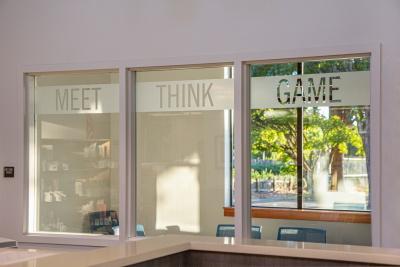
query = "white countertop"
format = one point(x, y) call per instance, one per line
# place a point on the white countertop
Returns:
point(143, 249)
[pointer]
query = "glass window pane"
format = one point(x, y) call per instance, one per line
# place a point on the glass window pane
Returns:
point(75, 148)
point(335, 163)
point(184, 149)
point(336, 144)
point(273, 143)
point(310, 126)
point(273, 163)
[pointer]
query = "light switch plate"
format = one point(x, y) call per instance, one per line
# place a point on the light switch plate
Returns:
point(8, 172)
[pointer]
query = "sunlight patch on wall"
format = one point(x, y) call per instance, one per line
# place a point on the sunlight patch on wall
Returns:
point(178, 200)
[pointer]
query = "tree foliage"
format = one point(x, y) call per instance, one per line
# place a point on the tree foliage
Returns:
point(274, 131)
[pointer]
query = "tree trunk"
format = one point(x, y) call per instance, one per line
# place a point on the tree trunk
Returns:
point(364, 130)
point(273, 184)
point(336, 169)
point(336, 156)
point(257, 187)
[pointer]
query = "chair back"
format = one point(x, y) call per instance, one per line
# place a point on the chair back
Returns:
point(256, 231)
point(140, 230)
point(225, 230)
point(301, 234)
point(228, 230)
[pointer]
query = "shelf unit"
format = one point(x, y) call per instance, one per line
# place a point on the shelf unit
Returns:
point(75, 175)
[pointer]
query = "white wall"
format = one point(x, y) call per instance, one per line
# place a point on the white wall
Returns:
point(74, 31)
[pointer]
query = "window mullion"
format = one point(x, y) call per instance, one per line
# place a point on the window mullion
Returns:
point(299, 151)
point(123, 155)
point(131, 155)
point(299, 158)
point(242, 152)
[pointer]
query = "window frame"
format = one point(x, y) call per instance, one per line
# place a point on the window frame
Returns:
point(374, 53)
point(241, 131)
point(131, 143)
point(25, 233)
point(294, 213)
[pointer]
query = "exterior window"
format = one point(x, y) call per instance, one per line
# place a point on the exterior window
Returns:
point(74, 144)
point(310, 135)
point(183, 149)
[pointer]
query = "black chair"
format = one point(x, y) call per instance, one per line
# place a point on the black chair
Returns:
point(301, 234)
point(228, 230)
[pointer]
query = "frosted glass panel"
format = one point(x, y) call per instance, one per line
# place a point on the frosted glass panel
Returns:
point(75, 153)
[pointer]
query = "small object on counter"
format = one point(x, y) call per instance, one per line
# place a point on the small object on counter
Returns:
point(7, 243)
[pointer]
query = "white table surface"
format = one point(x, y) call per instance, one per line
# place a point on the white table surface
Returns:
point(148, 248)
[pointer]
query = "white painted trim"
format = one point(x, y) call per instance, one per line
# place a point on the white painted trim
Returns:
point(123, 156)
point(376, 146)
point(242, 152)
point(65, 238)
point(131, 144)
point(30, 136)
point(71, 67)
point(28, 110)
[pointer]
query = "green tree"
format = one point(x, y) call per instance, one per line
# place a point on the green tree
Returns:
point(274, 133)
